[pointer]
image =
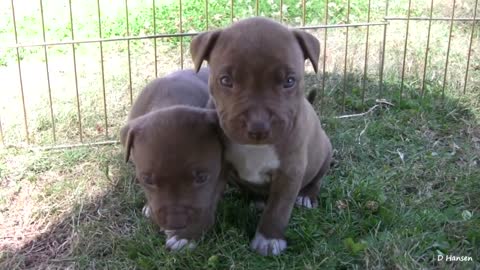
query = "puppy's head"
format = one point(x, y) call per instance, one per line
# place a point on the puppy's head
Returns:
point(178, 156)
point(257, 76)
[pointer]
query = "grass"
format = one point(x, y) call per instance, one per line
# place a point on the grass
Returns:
point(403, 190)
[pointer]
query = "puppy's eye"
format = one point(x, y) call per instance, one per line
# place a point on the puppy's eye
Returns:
point(226, 81)
point(289, 82)
point(200, 177)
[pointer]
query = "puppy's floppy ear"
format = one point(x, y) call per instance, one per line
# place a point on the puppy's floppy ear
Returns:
point(127, 134)
point(201, 47)
point(123, 134)
point(310, 46)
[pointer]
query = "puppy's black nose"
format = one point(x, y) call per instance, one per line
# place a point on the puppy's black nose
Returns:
point(258, 131)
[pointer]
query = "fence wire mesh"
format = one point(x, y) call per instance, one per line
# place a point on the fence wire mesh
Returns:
point(54, 76)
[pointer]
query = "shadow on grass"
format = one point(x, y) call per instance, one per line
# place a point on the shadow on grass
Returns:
point(404, 190)
point(58, 246)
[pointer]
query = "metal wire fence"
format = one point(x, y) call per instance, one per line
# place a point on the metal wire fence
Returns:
point(374, 28)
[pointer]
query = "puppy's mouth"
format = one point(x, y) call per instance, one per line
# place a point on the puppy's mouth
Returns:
point(237, 127)
point(268, 141)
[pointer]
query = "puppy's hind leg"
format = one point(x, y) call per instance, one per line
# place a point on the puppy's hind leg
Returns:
point(307, 197)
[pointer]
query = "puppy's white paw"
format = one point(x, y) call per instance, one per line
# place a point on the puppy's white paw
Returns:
point(175, 243)
point(265, 246)
point(305, 202)
point(147, 211)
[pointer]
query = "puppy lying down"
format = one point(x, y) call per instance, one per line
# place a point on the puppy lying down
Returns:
point(172, 140)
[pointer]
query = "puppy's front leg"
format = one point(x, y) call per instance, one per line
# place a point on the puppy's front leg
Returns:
point(269, 238)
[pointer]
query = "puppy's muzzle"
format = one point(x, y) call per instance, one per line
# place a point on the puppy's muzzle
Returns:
point(175, 218)
point(258, 130)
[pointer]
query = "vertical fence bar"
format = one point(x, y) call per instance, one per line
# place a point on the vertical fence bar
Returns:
point(324, 71)
point(48, 74)
point(303, 12)
point(154, 39)
point(1, 132)
point(103, 69)
point(129, 55)
point(20, 75)
point(206, 13)
point(365, 67)
point(382, 63)
point(181, 37)
point(231, 11)
point(345, 69)
point(448, 50)
point(470, 46)
point(256, 8)
point(80, 130)
point(281, 11)
point(425, 63)
point(405, 49)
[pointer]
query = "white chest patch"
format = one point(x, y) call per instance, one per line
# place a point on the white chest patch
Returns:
point(253, 162)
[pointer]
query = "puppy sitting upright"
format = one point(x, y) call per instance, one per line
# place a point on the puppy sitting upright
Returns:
point(274, 139)
point(173, 141)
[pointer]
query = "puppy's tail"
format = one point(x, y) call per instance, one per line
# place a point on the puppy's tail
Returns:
point(311, 95)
